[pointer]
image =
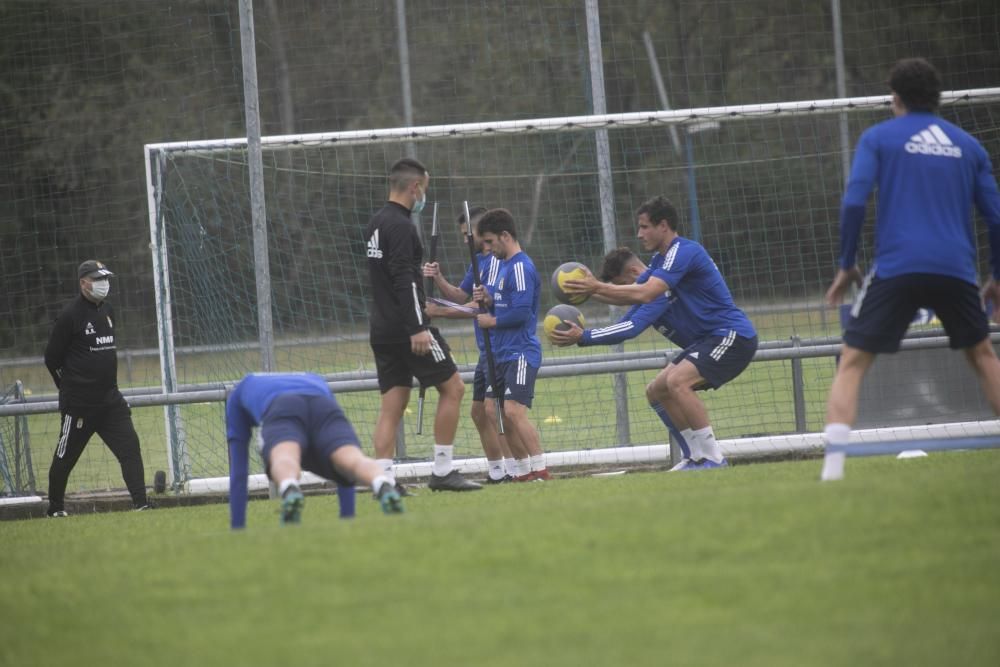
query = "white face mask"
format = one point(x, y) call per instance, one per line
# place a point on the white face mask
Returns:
point(418, 205)
point(99, 289)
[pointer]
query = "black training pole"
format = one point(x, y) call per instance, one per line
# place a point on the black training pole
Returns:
point(428, 291)
point(491, 368)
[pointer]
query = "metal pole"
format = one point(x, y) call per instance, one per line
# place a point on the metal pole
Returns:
point(258, 212)
point(798, 389)
point(404, 72)
point(606, 190)
point(838, 58)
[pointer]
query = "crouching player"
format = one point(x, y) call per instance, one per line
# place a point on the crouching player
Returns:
point(301, 427)
point(685, 296)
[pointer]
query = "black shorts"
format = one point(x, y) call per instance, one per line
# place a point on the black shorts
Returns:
point(316, 423)
point(397, 365)
point(719, 358)
point(884, 309)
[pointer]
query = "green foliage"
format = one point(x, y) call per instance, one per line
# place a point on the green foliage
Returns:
point(754, 565)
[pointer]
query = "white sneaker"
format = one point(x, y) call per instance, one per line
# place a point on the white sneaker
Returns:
point(58, 514)
point(683, 465)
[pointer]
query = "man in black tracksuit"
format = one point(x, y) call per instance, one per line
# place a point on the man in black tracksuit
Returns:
point(404, 343)
point(84, 365)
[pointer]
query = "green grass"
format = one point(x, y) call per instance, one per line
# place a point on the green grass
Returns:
point(754, 565)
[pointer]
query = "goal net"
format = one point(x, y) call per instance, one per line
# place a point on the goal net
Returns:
point(759, 186)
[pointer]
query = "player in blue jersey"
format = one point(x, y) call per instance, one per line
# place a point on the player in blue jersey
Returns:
point(301, 427)
point(699, 315)
point(494, 445)
point(512, 321)
point(929, 173)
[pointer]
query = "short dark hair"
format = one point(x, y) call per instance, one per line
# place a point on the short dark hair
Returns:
point(917, 83)
point(659, 209)
point(615, 263)
point(474, 212)
point(404, 172)
point(497, 221)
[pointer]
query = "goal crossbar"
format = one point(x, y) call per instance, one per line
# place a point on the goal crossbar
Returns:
point(563, 124)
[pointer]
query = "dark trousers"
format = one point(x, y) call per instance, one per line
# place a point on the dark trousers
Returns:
point(113, 424)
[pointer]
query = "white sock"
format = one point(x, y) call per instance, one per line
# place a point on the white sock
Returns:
point(386, 465)
point(510, 466)
point(442, 459)
point(380, 480)
point(707, 446)
point(522, 467)
point(688, 435)
point(833, 462)
point(496, 469)
point(291, 481)
point(538, 462)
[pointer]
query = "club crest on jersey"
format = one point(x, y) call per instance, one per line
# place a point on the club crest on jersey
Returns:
point(89, 330)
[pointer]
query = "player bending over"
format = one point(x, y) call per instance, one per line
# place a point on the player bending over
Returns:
point(683, 293)
point(301, 427)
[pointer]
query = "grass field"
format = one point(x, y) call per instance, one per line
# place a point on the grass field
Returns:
point(753, 565)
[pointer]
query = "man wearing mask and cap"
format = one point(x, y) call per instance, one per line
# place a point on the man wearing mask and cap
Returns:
point(83, 362)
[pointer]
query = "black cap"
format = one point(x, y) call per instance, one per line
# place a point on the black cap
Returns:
point(94, 269)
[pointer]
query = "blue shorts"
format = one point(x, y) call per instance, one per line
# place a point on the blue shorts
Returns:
point(884, 309)
point(516, 381)
point(316, 423)
point(719, 358)
point(479, 380)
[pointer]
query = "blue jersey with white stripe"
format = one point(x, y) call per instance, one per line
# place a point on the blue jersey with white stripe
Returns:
point(245, 408)
point(929, 173)
point(700, 302)
point(637, 319)
point(489, 267)
point(516, 298)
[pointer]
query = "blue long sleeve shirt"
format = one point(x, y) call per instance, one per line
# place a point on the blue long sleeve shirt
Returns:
point(516, 298)
point(929, 174)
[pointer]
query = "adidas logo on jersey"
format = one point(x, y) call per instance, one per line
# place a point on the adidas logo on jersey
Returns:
point(932, 141)
point(373, 250)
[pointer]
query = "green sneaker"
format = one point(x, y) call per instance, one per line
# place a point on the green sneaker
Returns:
point(390, 500)
point(291, 506)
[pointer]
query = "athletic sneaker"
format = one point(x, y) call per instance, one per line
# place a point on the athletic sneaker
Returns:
point(707, 464)
point(388, 497)
point(142, 508)
point(503, 480)
point(683, 464)
point(542, 475)
point(404, 491)
point(58, 514)
point(291, 506)
point(453, 481)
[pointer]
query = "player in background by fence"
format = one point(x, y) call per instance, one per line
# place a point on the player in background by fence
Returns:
point(404, 343)
point(82, 358)
point(498, 456)
point(718, 340)
point(301, 427)
point(512, 319)
point(929, 174)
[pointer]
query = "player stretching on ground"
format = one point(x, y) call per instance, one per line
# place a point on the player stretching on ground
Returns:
point(929, 173)
point(301, 427)
point(717, 338)
point(513, 319)
point(494, 445)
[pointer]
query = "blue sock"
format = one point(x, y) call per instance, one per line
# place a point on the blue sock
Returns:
point(345, 494)
point(665, 418)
